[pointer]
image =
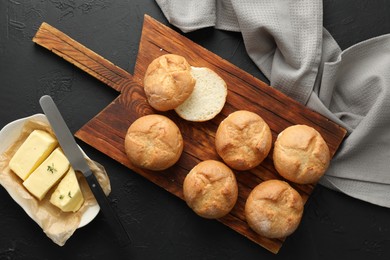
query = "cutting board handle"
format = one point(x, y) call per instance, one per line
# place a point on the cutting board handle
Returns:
point(82, 57)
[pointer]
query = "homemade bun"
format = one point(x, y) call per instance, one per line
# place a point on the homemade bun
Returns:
point(300, 154)
point(153, 142)
point(207, 98)
point(210, 189)
point(243, 140)
point(274, 209)
point(168, 82)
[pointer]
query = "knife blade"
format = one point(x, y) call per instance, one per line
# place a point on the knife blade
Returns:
point(79, 163)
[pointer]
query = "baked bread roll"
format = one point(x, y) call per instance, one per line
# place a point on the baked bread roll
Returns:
point(243, 140)
point(274, 209)
point(300, 154)
point(207, 98)
point(210, 189)
point(153, 142)
point(168, 82)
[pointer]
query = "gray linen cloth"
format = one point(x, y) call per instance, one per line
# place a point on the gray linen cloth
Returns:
point(288, 43)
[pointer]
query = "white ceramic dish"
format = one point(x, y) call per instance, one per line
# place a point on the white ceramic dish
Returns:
point(8, 136)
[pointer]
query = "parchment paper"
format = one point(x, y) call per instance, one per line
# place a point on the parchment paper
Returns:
point(57, 225)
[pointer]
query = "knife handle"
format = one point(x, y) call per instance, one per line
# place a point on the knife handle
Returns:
point(113, 220)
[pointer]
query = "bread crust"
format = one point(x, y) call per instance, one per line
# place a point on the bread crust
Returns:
point(153, 142)
point(168, 82)
point(243, 140)
point(274, 209)
point(210, 189)
point(300, 154)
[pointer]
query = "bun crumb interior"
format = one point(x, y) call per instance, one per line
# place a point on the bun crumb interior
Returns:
point(207, 98)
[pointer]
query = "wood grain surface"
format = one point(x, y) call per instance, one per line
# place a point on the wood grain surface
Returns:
point(106, 131)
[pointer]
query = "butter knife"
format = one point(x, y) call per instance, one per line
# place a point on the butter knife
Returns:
point(79, 163)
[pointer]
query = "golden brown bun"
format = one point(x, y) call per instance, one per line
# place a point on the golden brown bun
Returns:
point(243, 140)
point(274, 209)
point(210, 189)
point(300, 154)
point(168, 82)
point(153, 142)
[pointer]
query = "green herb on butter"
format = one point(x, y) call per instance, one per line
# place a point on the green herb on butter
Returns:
point(50, 168)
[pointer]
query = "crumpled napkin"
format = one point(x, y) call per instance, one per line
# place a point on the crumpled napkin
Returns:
point(288, 43)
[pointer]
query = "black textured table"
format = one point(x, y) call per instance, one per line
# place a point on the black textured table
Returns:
point(161, 225)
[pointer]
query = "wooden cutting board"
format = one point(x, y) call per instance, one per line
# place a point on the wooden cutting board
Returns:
point(107, 130)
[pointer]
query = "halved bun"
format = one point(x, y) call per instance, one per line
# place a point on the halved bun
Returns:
point(168, 82)
point(207, 98)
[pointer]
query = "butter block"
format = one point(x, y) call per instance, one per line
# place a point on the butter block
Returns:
point(33, 151)
point(68, 196)
point(47, 174)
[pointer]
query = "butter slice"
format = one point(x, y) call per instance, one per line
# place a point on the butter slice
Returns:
point(34, 150)
point(68, 196)
point(47, 174)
